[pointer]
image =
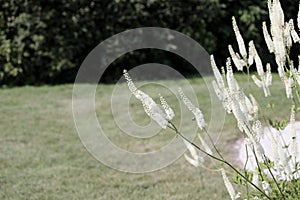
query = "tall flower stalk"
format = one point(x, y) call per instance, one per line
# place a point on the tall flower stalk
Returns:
point(270, 174)
point(161, 117)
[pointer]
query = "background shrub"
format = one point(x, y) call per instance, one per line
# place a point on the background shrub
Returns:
point(46, 41)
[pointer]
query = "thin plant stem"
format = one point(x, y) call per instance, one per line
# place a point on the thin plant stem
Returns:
point(212, 142)
point(260, 172)
point(218, 159)
point(258, 167)
point(245, 171)
point(276, 183)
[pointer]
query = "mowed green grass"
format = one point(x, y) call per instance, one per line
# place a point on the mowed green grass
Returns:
point(42, 157)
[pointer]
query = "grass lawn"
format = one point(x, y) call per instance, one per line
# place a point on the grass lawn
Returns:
point(41, 156)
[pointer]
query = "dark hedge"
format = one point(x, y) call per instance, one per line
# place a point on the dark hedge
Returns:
point(44, 42)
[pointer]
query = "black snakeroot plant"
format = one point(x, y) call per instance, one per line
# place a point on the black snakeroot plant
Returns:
point(273, 178)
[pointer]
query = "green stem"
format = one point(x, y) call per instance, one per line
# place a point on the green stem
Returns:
point(276, 183)
point(260, 173)
point(218, 159)
point(245, 171)
point(258, 167)
point(212, 142)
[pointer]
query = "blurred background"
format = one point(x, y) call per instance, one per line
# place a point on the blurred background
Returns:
point(44, 42)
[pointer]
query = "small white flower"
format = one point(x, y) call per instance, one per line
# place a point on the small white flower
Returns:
point(294, 34)
point(276, 12)
point(229, 187)
point(259, 66)
point(257, 129)
point(254, 106)
point(251, 53)
point(287, 35)
point(255, 144)
point(294, 145)
point(232, 85)
point(295, 73)
point(218, 91)
point(195, 160)
point(130, 83)
point(205, 145)
point(168, 110)
point(264, 84)
point(196, 111)
point(268, 38)
point(280, 68)
point(227, 101)
point(288, 82)
point(239, 38)
point(283, 162)
point(217, 74)
point(268, 75)
point(266, 78)
point(239, 115)
point(252, 141)
point(151, 108)
point(257, 82)
point(266, 187)
point(238, 62)
point(277, 30)
point(279, 50)
point(244, 104)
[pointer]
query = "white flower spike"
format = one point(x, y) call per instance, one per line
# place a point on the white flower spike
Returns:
point(217, 74)
point(293, 135)
point(196, 111)
point(268, 38)
point(294, 34)
point(238, 62)
point(239, 38)
point(151, 108)
point(168, 110)
point(229, 187)
point(266, 78)
point(195, 160)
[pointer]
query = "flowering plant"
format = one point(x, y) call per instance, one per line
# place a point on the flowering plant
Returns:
point(264, 176)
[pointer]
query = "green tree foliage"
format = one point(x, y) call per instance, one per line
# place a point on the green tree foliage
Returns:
point(45, 41)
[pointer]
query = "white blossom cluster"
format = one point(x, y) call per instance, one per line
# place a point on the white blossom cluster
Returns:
point(243, 59)
point(160, 114)
point(229, 187)
point(164, 114)
point(265, 77)
point(233, 98)
point(236, 102)
point(281, 149)
point(196, 159)
point(279, 42)
point(196, 111)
